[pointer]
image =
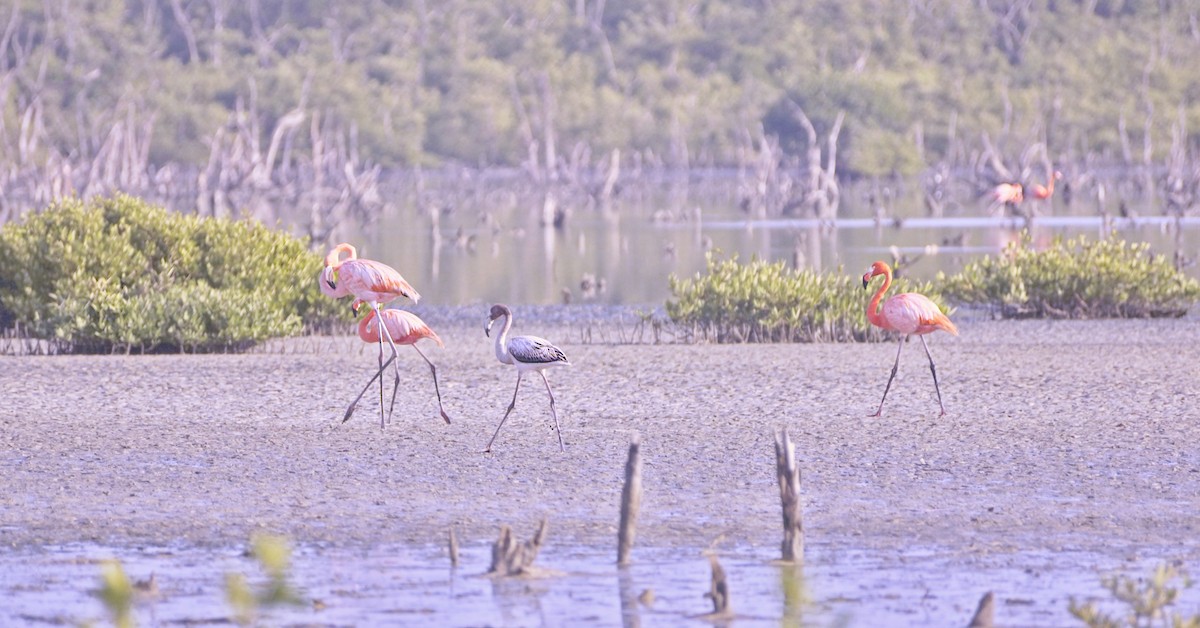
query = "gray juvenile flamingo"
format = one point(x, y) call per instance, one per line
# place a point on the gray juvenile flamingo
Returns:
point(526, 353)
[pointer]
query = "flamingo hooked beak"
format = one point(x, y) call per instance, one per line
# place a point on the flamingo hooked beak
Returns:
point(487, 331)
point(328, 276)
point(866, 280)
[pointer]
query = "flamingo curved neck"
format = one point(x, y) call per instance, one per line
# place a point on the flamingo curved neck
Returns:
point(364, 325)
point(502, 353)
point(333, 260)
point(873, 314)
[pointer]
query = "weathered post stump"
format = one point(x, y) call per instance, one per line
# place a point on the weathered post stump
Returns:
point(453, 542)
point(631, 501)
point(788, 474)
point(985, 614)
point(718, 589)
point(512, 558)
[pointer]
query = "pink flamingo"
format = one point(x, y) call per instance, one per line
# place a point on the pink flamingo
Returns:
point(1006, 195)
point(371, 282)
point(908, 313)
point(405, 328)
point(1043, 192)
point(526, 353)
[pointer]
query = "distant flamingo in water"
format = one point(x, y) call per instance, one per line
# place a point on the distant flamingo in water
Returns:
point(371, 282)
point(1043, 192)
point(1008, 194)
point(406, 328)
point(908, 313)
point(526, 353)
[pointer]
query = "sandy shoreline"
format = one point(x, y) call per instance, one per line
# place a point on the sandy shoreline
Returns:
point(1059, 434)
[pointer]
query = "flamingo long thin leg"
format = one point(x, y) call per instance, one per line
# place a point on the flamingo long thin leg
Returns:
point(553, 412)
point(395, 387)
point(436, 389)
point(395, 354)
point(381, 383)
point(354, 404)
point(511, 405)
point(895, 365)
point(933, 369)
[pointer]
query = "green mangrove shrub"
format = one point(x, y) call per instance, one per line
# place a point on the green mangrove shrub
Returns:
point(119, 274)
point(1075, 278)
point(1145, 602)
point(274, 555)
point(768, 302)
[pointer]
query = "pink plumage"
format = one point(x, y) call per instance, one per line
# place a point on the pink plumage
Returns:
point(913, 313)
point(368, 280)
point(907, 314)
point(1008, 193)
point(404, 327)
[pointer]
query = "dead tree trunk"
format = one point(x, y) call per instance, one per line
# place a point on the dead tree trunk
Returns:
point(821, 195)
point(787, 471)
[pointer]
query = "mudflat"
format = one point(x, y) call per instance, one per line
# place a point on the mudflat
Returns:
point(1058, 433)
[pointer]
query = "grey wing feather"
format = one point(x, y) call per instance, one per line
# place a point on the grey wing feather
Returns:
point(534, 350)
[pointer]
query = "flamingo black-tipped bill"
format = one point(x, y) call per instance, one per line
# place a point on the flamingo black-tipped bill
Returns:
point(865, 281)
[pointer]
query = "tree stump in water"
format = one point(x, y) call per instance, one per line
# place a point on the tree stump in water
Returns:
point(631, 499)
point(718, 589)
point(984, 615)
point(788, 474)
point(512, 558)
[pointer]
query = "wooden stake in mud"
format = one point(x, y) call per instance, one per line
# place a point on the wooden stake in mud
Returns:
point(453, 548)
point(631, 501)
point(985, 614)
point(511, 558)
point(788, 474)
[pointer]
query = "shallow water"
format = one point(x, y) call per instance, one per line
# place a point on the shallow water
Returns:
point(492, 246)
point(406, 585)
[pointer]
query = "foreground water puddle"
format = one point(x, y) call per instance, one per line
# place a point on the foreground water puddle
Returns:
point(407, 585)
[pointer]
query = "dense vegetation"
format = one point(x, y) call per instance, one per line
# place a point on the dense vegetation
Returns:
point(1075, 278)
point(121, 275)
point(484, 82)
point(768, 302)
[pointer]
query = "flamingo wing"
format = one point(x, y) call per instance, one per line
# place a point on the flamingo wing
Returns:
point(409, 326)
point(403, 326)
point(374, 281)
point(912, 313)
point(1008, 193)
point(534, 350)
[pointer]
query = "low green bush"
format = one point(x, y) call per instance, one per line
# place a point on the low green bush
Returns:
point(118, 274)
point(1075, 278)
point(1146, 602)
point(768, 302)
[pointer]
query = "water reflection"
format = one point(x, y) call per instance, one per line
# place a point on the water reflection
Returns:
point(519, 601)
point(630, 614)
point(497, 246)
point(390, 585)
point(795, 595)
